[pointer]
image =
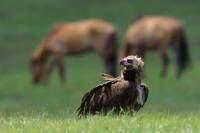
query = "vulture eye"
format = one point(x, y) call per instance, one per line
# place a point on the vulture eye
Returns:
point(130, 61)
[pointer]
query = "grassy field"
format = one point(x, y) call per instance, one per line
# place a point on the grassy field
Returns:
point(173, 105)
point(106, 124)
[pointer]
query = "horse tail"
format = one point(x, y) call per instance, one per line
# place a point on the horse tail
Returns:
point(114, 53)
point(110, 54)
point(182, 51)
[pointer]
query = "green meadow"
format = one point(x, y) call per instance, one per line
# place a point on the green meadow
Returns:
point(173, 104)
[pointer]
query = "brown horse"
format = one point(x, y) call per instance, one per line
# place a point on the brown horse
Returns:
point(158, 33)
point(71, 39)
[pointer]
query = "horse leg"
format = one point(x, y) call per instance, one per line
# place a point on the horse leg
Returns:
point(165, 64)
point(61, 68)
point(49, 71)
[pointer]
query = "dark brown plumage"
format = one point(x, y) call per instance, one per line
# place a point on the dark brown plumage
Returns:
point(125, 92)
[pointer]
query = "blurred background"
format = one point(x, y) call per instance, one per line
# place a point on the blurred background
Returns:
point(24, 23)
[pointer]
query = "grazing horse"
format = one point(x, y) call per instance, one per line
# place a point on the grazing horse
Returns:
point(158, 33)
point(72, 39)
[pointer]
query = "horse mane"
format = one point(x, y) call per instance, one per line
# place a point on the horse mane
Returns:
point(41, 52)
point(138, 17)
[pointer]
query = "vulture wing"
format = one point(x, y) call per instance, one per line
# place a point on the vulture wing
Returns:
point(143, 92)
point(95, 100)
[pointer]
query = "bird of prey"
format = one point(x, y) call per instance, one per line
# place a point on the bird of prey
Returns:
point(124, 93)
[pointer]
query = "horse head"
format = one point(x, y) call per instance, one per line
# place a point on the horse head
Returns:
point(36, 67)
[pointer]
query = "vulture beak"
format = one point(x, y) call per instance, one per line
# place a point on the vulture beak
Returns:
point(124, 63)
point(128, 65)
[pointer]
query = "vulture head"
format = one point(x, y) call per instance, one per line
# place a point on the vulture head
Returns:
point(132, 68)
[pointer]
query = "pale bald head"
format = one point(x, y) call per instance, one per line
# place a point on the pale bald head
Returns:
point(132, 62)
point(132, 68)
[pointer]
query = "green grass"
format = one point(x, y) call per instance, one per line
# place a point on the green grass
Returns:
point(173, 105)
point(160, 122)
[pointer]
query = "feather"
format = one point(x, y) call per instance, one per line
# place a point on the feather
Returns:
point(86, 101)
point(107, 77)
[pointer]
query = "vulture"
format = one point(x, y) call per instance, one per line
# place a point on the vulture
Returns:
point(124, 93)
